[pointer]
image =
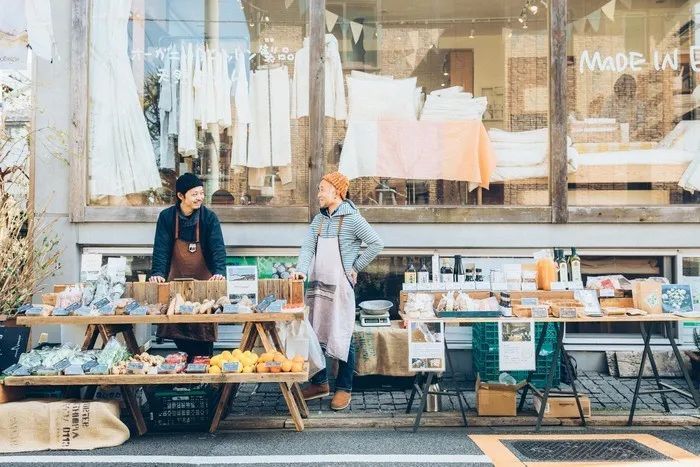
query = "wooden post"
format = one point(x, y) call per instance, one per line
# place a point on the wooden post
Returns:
point(317, 108)
point(558, 182)
point(79, 108)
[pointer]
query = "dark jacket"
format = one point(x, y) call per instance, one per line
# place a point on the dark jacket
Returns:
point(210, 237)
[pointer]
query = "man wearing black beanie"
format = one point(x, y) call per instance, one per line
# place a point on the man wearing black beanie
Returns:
point(189, 245)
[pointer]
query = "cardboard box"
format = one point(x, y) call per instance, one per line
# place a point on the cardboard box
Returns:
point(497, 400)
point(564, 407)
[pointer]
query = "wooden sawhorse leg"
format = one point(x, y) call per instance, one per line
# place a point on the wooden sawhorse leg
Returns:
point(132, 405)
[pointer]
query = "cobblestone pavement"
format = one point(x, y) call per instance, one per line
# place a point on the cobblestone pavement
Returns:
point(607, 393)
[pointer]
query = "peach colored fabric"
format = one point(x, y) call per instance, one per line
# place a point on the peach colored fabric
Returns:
point(430, 150)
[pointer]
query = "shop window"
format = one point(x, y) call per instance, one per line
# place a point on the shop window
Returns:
point(632, 102)
point(202, 86)
point(442, 97)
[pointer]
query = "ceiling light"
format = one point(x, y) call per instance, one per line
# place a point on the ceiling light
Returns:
point(533, 8)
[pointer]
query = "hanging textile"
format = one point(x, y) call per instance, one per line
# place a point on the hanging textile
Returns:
point(270, 139)
point(335, 103)
point(222, 88)
point(241, 103)
point(168, 100)
point(187, 140)
point(29, 24)
point(122, 160)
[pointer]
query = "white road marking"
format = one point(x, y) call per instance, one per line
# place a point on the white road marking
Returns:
point(237, 460)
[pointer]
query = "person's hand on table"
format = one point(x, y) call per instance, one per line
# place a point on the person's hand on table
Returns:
point(217, 277)
point(353, 277)
point(158, 279)
point(299, 276)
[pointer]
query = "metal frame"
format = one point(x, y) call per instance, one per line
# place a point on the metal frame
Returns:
point(558, 212)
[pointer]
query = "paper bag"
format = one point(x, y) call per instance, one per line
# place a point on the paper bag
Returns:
point(646, 296)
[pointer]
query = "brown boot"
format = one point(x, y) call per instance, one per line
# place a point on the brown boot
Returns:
point(341, 400)
point(315, 391)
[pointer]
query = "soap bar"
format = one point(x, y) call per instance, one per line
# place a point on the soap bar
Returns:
point(135, 368)
point(60, 312)
point(87, 366)
point(230, 309)
point(43, 371)
point(74, 370)
point(99, 370)
point(62, 365)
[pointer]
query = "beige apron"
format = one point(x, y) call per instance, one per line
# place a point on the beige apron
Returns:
point(330, 297)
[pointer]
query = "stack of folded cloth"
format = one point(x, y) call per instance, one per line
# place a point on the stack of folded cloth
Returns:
point(453, 104)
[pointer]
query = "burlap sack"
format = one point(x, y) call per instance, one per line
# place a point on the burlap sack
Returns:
point(41, 425)
point(381, 351)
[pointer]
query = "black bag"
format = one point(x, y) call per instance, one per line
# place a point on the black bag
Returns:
point(573, 369)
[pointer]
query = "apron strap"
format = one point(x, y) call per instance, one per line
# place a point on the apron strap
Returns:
point(196, 238)
point(177, 224)
point(320, 226)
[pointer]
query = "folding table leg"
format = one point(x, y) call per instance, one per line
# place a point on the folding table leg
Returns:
point(570, 372)
point(132, 405)
point(221, 405)
point(550, 375)
point(91, 334)
point(540, 344)
point(423, 401)
point(681, 363)
point(655, 370)
point(456, 384)
point(416, 384)
point(646, 338)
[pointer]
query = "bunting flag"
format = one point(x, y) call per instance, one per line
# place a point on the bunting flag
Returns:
point(356, 31)
point(414, 37)
point(411, 58)
point(609, 10)
point(331, 19)
point(288, 3)
point(580, 25)
point(344, 27)
point(594, 20)
point(627, 4)
point(434, 36)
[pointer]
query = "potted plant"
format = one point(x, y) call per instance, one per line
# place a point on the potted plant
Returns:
point(694, 356)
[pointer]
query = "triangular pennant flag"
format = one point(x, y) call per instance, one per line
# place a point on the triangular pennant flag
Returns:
point(580, 25)
point(331, 19)
point(356, 31)
point(627, 4)
point(344, 27)
point(411, 58)
point(414, 36)
point(434, 36)
point(288, 3)
point(594, 20)
point(609, 10)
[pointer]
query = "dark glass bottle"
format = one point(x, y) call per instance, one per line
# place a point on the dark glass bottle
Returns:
point(459, 275)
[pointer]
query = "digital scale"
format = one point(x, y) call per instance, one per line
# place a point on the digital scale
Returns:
point(375, 313)
point(374, 320)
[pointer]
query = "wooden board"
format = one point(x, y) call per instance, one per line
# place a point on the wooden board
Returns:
point(290, 290)
point(144, 380)
point(665, 317)
point(161, 319)
point(196, 291)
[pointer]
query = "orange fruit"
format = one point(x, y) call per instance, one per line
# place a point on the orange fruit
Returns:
point(275, 369)
point(279, 358)
point(297, 367)
point(298, 359)
point(261, 368)
point(287, 366)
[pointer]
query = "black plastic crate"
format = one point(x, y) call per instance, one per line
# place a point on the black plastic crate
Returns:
point(181, 408)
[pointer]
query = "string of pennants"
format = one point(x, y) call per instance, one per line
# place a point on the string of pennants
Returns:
point(595, 18)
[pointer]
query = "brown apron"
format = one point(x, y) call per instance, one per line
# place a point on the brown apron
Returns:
point(187, 262)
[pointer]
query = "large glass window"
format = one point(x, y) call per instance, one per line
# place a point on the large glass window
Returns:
point(632, 102)
point(444, 98)
point(202, 86)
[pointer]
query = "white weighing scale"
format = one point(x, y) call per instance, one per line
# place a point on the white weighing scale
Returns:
point(375, 313)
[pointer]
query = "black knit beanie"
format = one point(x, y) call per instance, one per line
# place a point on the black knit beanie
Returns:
point(186, 182)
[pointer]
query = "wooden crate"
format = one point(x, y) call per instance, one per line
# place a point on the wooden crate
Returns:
point(193, 291)
point(284, 289)
point(556, 306)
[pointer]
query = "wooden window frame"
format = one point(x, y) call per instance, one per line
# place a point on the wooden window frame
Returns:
point(558, 212)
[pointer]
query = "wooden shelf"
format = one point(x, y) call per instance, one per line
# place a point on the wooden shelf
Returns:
point(239, 318)
point(141, 380)
point(657, 318)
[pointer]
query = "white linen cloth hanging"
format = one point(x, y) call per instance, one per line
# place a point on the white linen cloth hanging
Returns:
point(168, 101)
point(27, 22)
point(222, 88)
point(241, 104)
point(204, 93)
point(270, 138)
point(187, 139)
point(122, 160)
point(335, 102)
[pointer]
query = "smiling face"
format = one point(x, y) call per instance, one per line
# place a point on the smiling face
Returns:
point(327, 195)
point(192, 200)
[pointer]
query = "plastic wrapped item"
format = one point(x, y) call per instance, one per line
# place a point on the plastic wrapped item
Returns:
point(419, 305)
point(505, 378)
point(56, 355)
point(30, 360)
point(464, 302)
point(112, 353)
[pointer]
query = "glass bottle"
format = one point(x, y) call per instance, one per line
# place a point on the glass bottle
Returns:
point(459, 275)
point(446, 274)
point(563, 267)
point(575, 265)
point(409, 276)
point(423, 273)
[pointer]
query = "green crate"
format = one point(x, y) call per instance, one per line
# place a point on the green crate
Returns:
point(485, 355)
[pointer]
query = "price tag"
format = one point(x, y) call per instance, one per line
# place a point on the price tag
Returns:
point(606, 293)
point(87, 366)
point(134, 368)
point(196, 368)
point(167, 368)
point(83, 311)
point(567, 313)
point(107, 310)
point(73, 307)
point(186, 309)
point(272, 364)
point(99, 370)
point(231, 367)
point(139, 311)
point(34, 311)
point(100, 303)
point(60, 312)
point(410, 286)
point(61, 365)
point(540, 311)
point(132, 305)
point(530, 301)
point(230, 309)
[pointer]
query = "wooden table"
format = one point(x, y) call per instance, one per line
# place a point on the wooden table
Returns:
point(255, 326)
point(646, 325)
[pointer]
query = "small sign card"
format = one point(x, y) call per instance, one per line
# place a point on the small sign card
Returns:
point(231, 367)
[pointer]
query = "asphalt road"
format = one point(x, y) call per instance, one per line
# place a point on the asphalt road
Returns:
point(441, 446)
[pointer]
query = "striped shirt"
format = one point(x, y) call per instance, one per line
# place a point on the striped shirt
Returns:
point(355, 231)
